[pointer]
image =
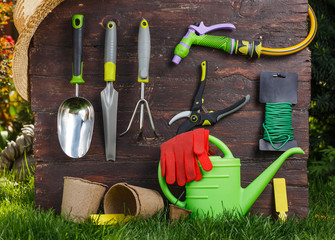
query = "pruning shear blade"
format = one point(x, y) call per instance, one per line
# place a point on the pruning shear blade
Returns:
point(179, 116)
point(195, 118)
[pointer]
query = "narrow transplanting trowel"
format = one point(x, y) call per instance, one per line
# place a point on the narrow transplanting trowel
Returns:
point(109, 96)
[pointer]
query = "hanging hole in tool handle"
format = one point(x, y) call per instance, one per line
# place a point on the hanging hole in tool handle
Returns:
point(144, 23)
point(110, 25)
point(162, 182)
point(279, 75)
point(77, 21)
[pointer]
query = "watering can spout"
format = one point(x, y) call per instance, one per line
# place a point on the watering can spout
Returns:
point(252, 192)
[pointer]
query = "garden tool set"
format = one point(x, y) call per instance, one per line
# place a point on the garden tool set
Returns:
point(75, 119)
point(217, 187)
point(212, 183)
point(195, 118)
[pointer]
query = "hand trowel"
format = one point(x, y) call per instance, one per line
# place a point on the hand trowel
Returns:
point(75, 118)
point(109, 96)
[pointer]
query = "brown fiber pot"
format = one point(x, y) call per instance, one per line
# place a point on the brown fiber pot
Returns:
point(81, 198)
point(123, 198)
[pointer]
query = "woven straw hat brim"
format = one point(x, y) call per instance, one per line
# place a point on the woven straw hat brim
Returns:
point(20, 56)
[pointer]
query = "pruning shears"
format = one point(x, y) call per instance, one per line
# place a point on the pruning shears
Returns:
point(195, 118)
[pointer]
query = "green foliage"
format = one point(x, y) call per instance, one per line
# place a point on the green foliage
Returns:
point(322, 197)
point(20, 220)
point(6, 11)
point(322, 112)
point(324, 168)
point(14, 111)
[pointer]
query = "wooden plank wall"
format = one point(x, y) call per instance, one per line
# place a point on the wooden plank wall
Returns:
point(170, 90)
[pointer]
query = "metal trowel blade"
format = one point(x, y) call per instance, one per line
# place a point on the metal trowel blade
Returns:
point(109, 102)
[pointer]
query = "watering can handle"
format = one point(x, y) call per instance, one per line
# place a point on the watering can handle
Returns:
point(217, 142)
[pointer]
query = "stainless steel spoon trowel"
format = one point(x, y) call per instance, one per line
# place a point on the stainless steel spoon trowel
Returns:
point(75, 119)
point(109, 96)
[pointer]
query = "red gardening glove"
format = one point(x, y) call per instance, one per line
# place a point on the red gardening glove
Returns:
point(201, 148)
point(168, 161)
point(185, 158)
point(172, 160)
point(179, 157)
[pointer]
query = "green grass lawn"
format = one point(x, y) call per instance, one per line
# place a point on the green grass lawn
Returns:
point(20, 220)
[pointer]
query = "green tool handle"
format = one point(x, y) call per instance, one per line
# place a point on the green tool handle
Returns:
point(218, 42)
point(110, 52)
point(198, 97)
point(78, 31)
point(144, 46)
point(229, 45)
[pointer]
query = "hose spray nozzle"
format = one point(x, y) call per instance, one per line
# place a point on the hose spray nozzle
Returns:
point(196, 35)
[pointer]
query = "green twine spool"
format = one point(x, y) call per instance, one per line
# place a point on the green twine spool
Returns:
point(278, 123)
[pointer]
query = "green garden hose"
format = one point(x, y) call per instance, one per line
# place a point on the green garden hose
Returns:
point(278, 123)
point(197, 35)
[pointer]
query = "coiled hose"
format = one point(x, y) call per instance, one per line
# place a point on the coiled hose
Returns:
point(299, 46)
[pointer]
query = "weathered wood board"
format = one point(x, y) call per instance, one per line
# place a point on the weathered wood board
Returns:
point(170, 89)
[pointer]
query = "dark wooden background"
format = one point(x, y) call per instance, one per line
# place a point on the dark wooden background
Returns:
point(170, 89)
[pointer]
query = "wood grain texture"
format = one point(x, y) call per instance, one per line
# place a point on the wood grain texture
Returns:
point(170, 90)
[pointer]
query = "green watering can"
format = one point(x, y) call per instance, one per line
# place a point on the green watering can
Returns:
point(220, 189)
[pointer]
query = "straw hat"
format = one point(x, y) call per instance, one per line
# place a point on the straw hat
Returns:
point(28, 14)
